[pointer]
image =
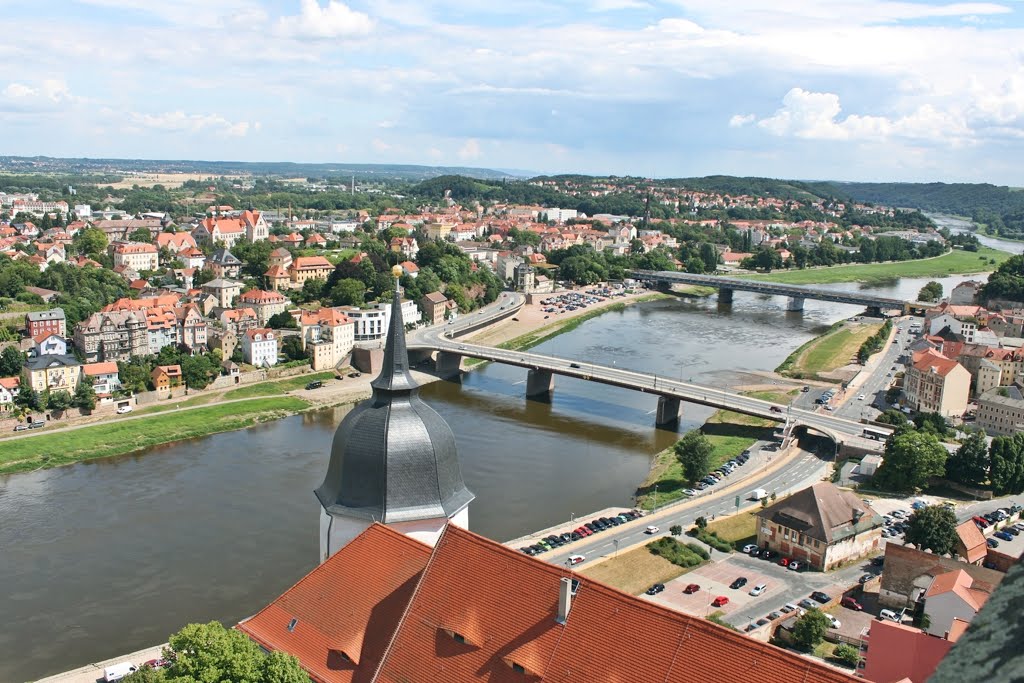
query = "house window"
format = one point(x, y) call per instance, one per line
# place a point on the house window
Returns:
point(459, 638)
point(518, 668)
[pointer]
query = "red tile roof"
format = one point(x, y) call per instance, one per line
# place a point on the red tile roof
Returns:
point(351, 604)
point(973, 541)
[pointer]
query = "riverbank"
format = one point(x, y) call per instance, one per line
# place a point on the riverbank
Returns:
point(956, 262)
point(824, 356)
point(127, 436)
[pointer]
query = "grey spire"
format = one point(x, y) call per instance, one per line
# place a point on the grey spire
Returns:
point(393, 458)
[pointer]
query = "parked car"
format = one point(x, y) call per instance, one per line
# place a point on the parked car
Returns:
point(720, 601)
point(1003, 536)
point(820, 597)
point(311, 385)
point(864, 578)
point(691, 589)
point(738, 583)
point(807, 603)
point(890, 615)
point(794, 565)
point(1013, 531)
point(784, 562)
point(749, 547)
point(655, 589)
point(122, 410)
point(20, 428)
point(835, 622)
point(849, 603)
point(992, 543)
point(788, 607)
point(768, 554)
point(758, 589)
point(980, 521)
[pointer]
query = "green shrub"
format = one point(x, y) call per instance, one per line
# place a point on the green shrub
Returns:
point(699, 550)
point(676, 552)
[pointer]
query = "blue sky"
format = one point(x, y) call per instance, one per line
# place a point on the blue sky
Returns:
point(831, 89)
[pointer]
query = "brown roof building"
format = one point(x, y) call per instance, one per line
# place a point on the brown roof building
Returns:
point(388, 608)
point(909, 573)
point(971, 545)
point(821, 526)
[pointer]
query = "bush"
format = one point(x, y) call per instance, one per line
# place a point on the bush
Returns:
point(699, 550)
point(675, 530)
point(847, 654)
point(712, 539)
point(675, 552)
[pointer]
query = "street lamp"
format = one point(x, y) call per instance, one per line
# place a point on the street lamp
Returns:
point(615, 541)
point(655, 506)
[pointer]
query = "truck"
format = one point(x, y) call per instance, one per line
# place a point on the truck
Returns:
point(757, 494)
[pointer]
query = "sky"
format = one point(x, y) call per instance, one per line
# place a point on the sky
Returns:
point(828, 89)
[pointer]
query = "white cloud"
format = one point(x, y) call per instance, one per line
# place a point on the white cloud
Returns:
point(179, 121)
point(740, 120)
point(815, 116)
point(470, 150)
point(19, 90)
point(335, 20)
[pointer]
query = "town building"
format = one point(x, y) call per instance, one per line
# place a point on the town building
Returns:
point(951, 597)
point(387, 608)
point(137, 256)
point(393, 460)
point(965, 293)
point(112, 336)
point(265, 303)
point(259, 347)
point(305, 268)
point(909, 573)
point(40, 322)
point(327, 336)
point(176, 242)
point(433, 306)
point(225, 291)
point(371, 324)
point(103, 377)
point(991, 366)
point(193, 258)
point(166, 377)
point(224, 264)
point(119, 229)
point(896, 653)
point(248, 225)
point(53, 373)
point(971, 546)
point(1001, 411)
point(820, 525)
point(49, 344)
point(936, 384)
point(9, 389)
point(238, 320)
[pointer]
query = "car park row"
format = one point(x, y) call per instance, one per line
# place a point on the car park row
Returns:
point(590, 528)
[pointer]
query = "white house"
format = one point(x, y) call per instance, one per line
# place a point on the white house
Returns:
point(259, 347)
point(50, 344)
point(8, 392)
point(102, 376)
point(964, 328)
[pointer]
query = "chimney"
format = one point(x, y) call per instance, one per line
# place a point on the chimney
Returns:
point(564, 599)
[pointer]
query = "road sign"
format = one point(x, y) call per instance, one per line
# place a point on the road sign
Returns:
point(737, 502)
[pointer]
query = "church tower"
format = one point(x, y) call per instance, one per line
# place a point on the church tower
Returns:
point(393, 460)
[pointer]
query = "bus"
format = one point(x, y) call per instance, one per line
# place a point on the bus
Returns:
point(875, 433)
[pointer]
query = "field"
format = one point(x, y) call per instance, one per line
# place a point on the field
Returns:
point(955, 262)
point(277, 387)
point(832, 350)
point(633, 571)
point(169, 180)
point(738, 529)
point(126, 436)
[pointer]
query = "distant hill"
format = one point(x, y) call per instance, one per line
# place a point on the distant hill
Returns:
point(366, 172)
point(959, 198)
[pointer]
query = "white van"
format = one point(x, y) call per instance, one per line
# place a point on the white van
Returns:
point(890, 615)
point(118, 671)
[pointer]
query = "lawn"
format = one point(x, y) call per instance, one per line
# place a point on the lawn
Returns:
point(633, 571)
point(277, 387)
point(739, 529)
point(832, 350)
point(126, 436)
point(954, 263)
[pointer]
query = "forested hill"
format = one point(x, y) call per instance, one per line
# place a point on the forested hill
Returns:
point(959, 198)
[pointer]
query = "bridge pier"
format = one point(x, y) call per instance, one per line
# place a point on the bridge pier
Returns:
point(448, 364)
point(874, 311)
point(795, 303)
point(539, 383)
point(725, 295)
point(669, 409)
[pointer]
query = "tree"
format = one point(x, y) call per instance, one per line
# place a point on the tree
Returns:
point(694, 454)
point(701, 522)
point(1006, 471)
point(85, 396)
point(933, 528)
point(348, 292)
point(58, 401)
point(30, 399)
point(911, 459)
point(282, 321)
point(134, 376)
point(11, 362)
point(312, 289)
point(970, 464)
point(847, 654)
point(213, 654)
point(930, 292)
point(292, 348)
point(196, 371)
point(809, 630)
point(675, 530)
point(140, 235)
point(893, 417)
point(934, 423)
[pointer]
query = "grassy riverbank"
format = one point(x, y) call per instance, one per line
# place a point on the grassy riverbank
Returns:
point(535, 337)
point(126, 436)
point(277, 387)
point(828, 352)
point(956, 262)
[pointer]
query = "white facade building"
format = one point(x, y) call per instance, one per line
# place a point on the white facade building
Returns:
point(259, 347)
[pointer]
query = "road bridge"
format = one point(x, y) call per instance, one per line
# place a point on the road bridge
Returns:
point(671, 393)
point(797, 294)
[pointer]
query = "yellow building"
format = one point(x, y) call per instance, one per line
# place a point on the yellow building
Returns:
point(52, 372)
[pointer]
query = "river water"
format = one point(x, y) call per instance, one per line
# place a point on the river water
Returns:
point(106, 557)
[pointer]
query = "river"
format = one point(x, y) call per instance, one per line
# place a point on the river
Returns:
point(105, 557)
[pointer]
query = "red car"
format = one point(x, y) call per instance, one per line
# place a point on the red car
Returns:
point(980, 521)
point(584, 531)
point(784, 562)
point(692, 588)
point(850, 603)
point(720, 601)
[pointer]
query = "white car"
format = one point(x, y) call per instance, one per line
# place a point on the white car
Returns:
point(576, 559)
point(651, 530)
point(835, 622)
point(758, 589)
point(861, 397)
point(749, 547)
point(124, 410)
